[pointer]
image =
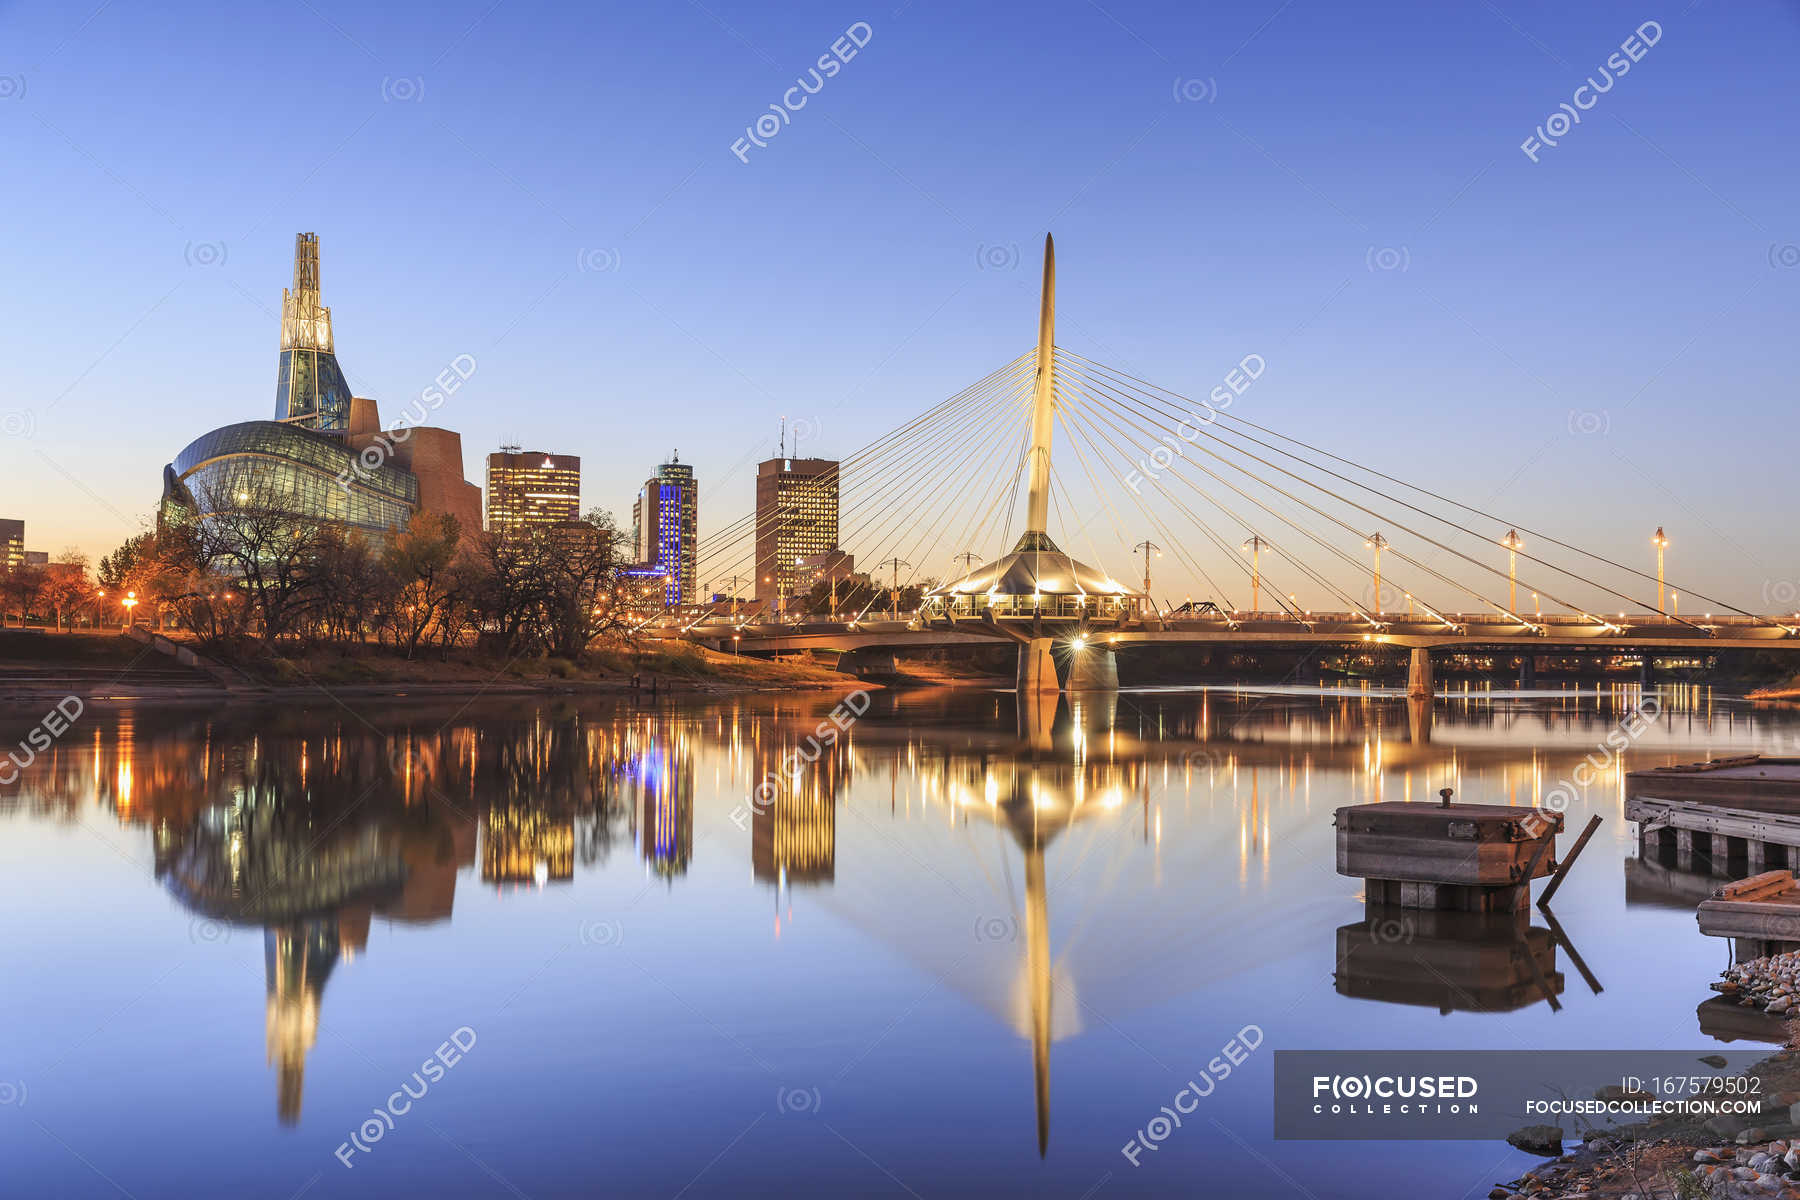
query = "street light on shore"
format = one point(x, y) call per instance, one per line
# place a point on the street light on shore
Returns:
point(130, 602)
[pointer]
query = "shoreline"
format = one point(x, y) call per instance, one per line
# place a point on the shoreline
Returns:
point(35, 692)
point(1780, 693)
point(1676, 1156)
point(141, 666)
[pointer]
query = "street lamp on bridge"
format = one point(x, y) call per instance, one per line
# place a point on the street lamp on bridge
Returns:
point(1660, 541)
point(1255, 544)
point(894, 591)
point(1147, 547)
point(1513, 546)
point(1377, 543)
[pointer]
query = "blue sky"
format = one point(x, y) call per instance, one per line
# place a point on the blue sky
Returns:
point(466, 165)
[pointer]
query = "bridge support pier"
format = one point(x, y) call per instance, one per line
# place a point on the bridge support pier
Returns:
point(1419, 680)
point(1647, 671)
point(1037, 669)
point(1528, 671)
point(1093, 668)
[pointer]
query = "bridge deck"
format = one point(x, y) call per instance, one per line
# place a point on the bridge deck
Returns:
point(1550, 637)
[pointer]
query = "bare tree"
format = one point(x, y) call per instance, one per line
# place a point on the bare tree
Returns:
point(419, 559)
point(248, 530)
point(66, 586)
point(582, 574)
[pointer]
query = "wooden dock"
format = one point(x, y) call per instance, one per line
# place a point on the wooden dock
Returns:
point(1760, 914)
point(1478, 858)
point(1730, 816)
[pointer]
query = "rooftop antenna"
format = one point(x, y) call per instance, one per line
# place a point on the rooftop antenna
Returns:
point(783, 453)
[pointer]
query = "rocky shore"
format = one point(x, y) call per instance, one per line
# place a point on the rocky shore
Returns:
point(1678, 1158)
point(1771, 983)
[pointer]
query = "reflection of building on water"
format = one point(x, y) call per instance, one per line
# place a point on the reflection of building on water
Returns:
point(297, 960)
point(520, 845)
point(793, 825)
point(663, 775)
point(793, 839)
point(263, 862)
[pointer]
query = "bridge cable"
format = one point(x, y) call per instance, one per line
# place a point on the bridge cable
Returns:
point(882, 445)
point(1177, 545)
point(1388, 520)
point(1345, 525)
point(1448, 500)
point(1331, 588)
point(897, 509)
point(898, 451)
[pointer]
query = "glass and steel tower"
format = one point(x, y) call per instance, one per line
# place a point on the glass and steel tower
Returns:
point(310, 391)
point(666, 515)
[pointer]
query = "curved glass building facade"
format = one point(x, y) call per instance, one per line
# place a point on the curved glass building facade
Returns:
point(294, 469)
point(325, 456)
point(311, 390)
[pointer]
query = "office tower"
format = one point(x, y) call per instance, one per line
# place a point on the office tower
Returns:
point(796, 520)
point(529, 489)
point(666, 515)
point(12, 543)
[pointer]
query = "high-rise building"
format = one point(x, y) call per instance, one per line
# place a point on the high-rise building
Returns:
point(666, 515)
point(529, 489)
point(12, 543)
point(796, 519)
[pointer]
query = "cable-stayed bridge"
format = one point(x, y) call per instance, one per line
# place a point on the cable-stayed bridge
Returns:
point(1400, 564)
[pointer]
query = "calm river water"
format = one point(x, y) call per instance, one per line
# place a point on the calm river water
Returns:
point(933, 962)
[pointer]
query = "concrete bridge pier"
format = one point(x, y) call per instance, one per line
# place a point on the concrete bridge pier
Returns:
point(1419, 680)
point(1646, 671)
point(1528, 671)
point(1037, 667)
point(1093, 668)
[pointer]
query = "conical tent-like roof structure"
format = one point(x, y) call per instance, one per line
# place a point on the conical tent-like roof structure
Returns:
point(1035, 567)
